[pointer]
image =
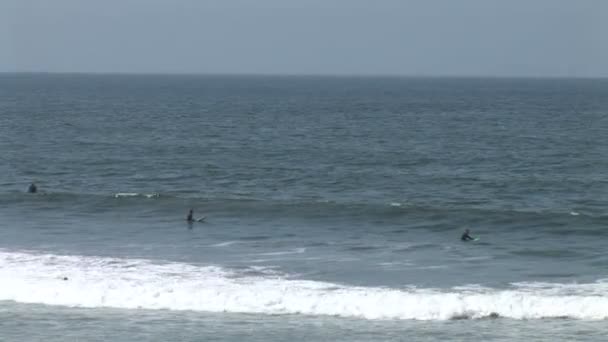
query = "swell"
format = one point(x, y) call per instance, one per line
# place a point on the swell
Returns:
point(447, 216)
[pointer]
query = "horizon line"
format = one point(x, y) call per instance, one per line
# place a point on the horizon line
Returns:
point(320, 75)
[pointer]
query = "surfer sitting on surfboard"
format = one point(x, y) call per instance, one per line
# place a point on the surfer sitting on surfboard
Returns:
point(466, 237)
point(191, 219)
point(32, 189)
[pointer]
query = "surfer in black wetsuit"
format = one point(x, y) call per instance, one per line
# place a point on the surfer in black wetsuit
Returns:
point(466, 237)
point(190, 219)
point(32, 189)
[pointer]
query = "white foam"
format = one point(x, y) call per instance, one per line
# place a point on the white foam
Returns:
point(291, 251)
point(136, 194)
point(132, 284)
point(126, 194)
point(224, 244)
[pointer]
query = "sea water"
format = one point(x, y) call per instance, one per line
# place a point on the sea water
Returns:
point(334, 208)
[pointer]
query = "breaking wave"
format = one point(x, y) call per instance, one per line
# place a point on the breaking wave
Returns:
point(141, 284)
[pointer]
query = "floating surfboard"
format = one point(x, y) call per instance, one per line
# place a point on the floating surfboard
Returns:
point(200, 219)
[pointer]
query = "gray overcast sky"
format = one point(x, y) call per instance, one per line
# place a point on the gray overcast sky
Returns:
point(389, 37)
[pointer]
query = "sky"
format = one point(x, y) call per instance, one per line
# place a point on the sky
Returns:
point(535, 38)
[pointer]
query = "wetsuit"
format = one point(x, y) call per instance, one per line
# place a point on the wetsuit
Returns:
point(32, 189)
point(466, 237)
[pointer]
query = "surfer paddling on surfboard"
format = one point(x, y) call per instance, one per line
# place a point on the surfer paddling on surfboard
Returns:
point(466, 237)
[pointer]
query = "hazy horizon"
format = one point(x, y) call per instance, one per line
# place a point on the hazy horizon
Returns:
point(295, 75)
point(472, 38)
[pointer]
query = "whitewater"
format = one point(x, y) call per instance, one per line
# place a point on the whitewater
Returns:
point(141, 284)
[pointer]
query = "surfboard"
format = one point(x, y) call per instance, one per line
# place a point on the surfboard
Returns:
point(201, 219)
point(476, 239)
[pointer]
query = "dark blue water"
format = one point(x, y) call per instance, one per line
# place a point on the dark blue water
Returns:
point(323, 197)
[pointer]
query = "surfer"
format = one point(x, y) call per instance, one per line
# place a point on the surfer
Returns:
point(465, 236)
point(32, 189)
point(190, 219)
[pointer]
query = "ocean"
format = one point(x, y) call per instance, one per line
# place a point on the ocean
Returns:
point(333, 208)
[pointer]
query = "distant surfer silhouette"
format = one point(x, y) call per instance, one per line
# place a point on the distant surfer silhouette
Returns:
point(190, 219)
point(466, 236)
point(32, 189)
